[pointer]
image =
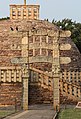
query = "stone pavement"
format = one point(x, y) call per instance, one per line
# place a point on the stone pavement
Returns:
point(35, 112)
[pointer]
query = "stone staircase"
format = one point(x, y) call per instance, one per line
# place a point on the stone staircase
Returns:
point(39, 95)
point(41, 88)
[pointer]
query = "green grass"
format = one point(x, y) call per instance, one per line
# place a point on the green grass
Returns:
point(4, 113)
point(70, 114)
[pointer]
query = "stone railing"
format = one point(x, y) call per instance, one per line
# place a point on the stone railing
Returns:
point(70, 84)
point(10, 74)
point(44, 79)
point(70, 81)
point(70, 90)
point(24, 12)
point(71, 76)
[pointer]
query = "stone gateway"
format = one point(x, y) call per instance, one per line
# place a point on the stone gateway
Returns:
point(39, 63)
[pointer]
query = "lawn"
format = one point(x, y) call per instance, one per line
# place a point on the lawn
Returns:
point(4, 113)
point(70, 114)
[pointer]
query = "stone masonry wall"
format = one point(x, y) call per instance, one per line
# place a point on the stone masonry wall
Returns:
point(10, 93)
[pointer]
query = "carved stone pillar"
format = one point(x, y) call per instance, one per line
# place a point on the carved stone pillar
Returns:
point(25, 71)
point(55, 72)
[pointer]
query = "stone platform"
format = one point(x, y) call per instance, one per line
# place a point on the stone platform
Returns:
point(35, 112)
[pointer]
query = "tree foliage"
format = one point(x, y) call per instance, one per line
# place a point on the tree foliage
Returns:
point(75, 28)
point(5, 18)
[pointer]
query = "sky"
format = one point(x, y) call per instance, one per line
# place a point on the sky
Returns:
point(50, 9)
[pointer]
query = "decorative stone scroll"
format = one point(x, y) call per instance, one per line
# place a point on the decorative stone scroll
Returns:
point(65, 34)
point(65, 47)
point(65, 60)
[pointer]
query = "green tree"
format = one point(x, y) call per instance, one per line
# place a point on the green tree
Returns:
point(75, 28)
point(5, 18)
